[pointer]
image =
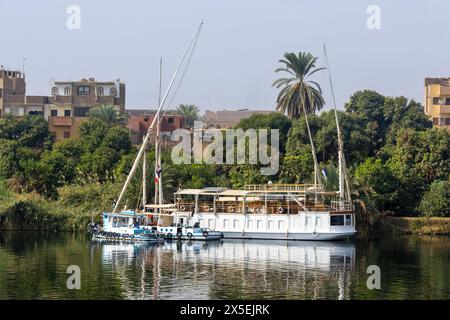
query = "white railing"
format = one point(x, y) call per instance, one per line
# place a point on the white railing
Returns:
point(279, 187)
point(342, 206)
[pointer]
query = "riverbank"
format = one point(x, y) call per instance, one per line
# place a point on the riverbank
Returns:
point(417, 225)
point(72, 212)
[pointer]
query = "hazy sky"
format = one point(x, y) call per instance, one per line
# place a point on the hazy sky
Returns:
point(240, 44)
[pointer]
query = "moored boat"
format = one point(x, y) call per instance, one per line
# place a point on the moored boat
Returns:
point(125, 226)
point(278, 212)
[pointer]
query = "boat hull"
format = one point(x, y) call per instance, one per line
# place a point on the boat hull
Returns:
point(289, 236)
point(197, 237)
point(303, 226)
point(128, 239)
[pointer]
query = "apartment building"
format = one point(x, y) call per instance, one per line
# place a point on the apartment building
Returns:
point(437, 101)
point(140, 120)
point(70, 102)
point(13, 98)
point(228, 118)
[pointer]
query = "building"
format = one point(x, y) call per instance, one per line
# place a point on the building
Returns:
point(71, 101)
point(228, 118)
point(140, 120)
point(13, 98)
point(437, 101)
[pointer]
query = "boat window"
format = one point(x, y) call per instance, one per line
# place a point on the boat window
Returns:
point(270, 226)
point(225, 223)
point(308, 221)
point(236, 223)
point(337, 220)
point(210, 223)
point(259, 224)
point(348, 220)
point(249, 224)
point(318, 221)
point(280, 225)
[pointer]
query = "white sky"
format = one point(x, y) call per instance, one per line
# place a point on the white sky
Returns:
point(241, 42)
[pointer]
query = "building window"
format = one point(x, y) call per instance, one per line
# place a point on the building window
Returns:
point(67, 91)
point(170, 120)
point(337, 220)
point(66, 134)
point(100, 91)
point(113, 92)
point(66, 113)
point(1, 93)
point(53, 113)
point(435, 121)
point(447, 101)
point(84, 90)
point(447, 121)
point(55, 91)
point(80, 112)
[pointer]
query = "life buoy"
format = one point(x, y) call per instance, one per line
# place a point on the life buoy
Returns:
point(315, 234)
point(280, 210)
point(205, 234)
point(182, 208)
point(115, 220)
point(190, 235)
point(169, 236)
point(179, 235)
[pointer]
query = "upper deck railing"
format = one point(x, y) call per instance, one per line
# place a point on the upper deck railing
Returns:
point(280, 187)
point(342, 206)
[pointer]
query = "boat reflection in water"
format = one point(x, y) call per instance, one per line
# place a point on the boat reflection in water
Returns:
point(232, 269)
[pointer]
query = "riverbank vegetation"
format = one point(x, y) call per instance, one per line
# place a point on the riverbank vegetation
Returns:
point(398, 164)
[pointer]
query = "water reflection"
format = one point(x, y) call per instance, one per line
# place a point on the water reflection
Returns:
point(232, 269)
point(33, 266)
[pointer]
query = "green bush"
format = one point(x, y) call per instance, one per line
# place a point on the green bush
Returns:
point(436, 201)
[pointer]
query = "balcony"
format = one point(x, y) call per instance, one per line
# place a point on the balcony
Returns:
point(60, 121)
point(440, 109)
point(444, 91)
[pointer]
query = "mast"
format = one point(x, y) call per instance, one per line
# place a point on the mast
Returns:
point(147, 136)
point(343, 180)
point(157, 148)
point(144, 180)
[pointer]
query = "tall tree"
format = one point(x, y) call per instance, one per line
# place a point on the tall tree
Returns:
point(190, 112)
point(299, 95)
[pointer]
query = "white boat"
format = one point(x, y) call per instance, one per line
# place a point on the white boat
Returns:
point(278, 212)
point(162, 219)
point(125, 226)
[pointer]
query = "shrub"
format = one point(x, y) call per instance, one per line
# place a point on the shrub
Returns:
point(436, 201)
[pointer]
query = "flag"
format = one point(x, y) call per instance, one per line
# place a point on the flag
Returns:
point(157, 174)
point(324, 172)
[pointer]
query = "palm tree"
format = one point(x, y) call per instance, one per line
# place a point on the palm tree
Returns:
point(190, 112)
point(300, 96)
point(107, 114)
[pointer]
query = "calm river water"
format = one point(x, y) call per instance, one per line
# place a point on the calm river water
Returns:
point(33, 266)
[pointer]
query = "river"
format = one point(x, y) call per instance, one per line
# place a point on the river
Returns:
point(34, 266)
